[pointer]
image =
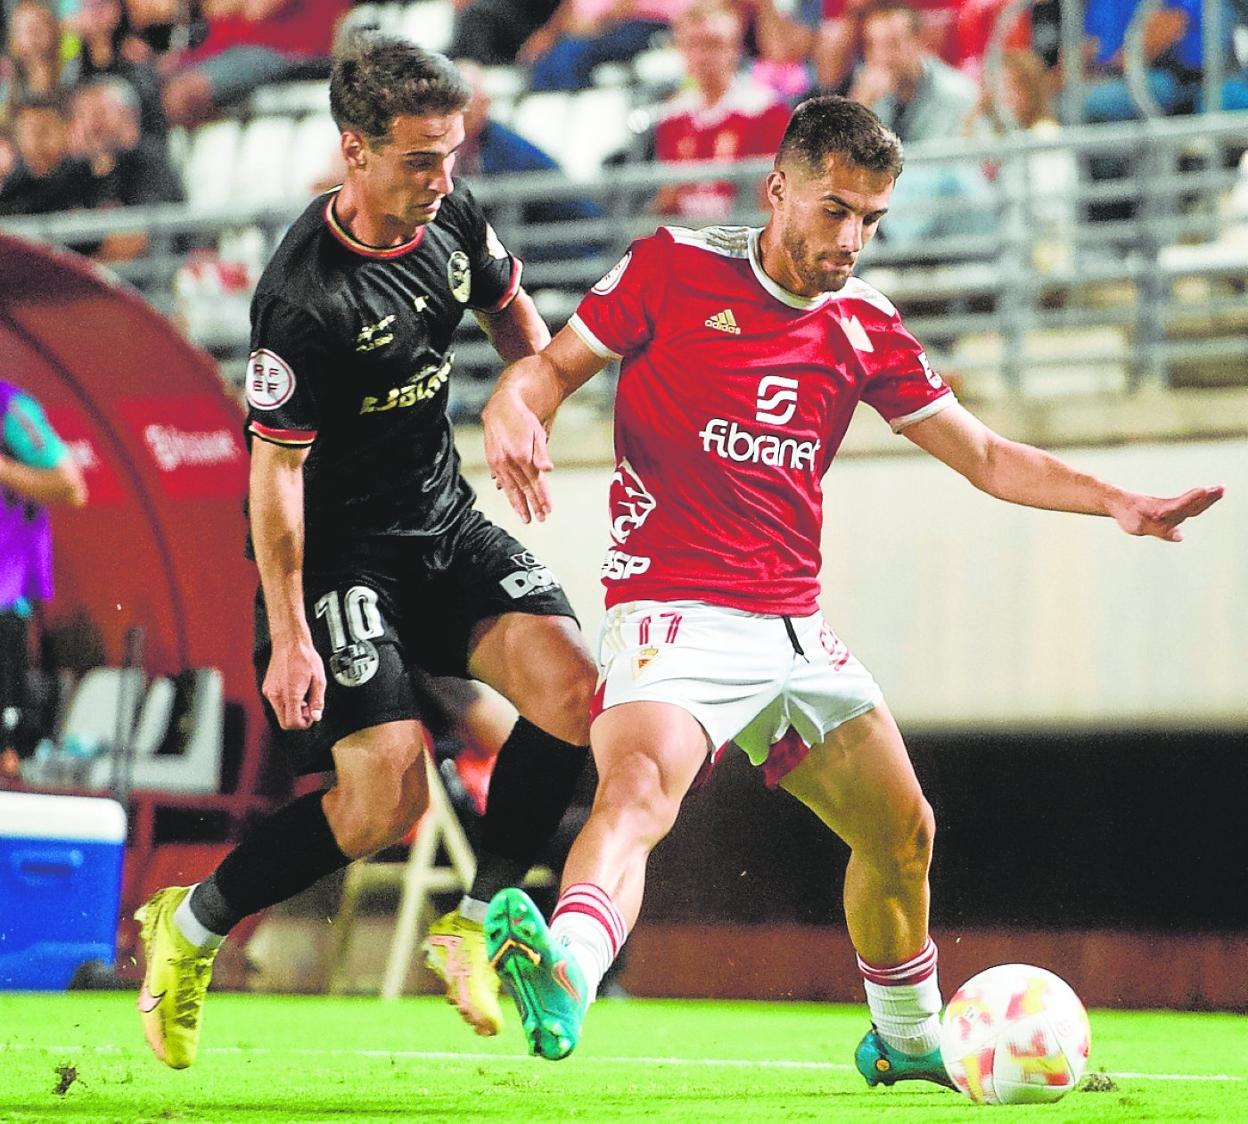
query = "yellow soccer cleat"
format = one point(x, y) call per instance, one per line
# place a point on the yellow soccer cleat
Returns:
point(455, 952)
point(175, 980)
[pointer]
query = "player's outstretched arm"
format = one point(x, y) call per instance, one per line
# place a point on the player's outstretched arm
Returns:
point(294, 682)
point(1026, 475)
point(519, 415)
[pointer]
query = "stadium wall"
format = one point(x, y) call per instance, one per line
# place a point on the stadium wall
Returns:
point(1076, 702)
point(976, 614)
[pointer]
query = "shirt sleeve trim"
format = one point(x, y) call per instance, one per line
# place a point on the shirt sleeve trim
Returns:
point(513, 286)
point(933, 407)
point(294, 438)
point(590, 340)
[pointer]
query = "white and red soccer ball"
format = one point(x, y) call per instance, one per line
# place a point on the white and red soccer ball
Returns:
point(1015, 1034)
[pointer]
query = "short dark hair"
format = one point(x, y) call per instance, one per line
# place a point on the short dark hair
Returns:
point(827, 126)
point(376, 78)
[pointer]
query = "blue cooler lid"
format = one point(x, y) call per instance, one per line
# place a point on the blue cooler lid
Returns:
point(40, 815)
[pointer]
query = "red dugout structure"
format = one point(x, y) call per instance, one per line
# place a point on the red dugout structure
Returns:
point(159, 545)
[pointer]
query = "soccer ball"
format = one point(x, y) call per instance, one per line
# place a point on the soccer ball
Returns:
point(1015, 1034)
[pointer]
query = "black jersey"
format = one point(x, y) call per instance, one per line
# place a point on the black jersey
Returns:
point(350, 355)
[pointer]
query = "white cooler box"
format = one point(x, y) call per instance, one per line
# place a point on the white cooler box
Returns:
point(60, 886)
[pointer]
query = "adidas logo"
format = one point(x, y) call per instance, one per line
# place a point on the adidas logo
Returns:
point(723, 322)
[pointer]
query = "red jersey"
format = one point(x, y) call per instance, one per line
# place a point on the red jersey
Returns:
point(749, 120)
point(734, 395)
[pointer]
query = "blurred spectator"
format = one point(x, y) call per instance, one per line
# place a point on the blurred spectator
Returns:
point(973, 26)
point(162, 31)
point(914, 93)
point(491, 148)
point(492, 32)
point(837, 49)
point(36, 470)
point(104, 33)
point(250, 43)
point(33, 66)
point(725, 114)
point(47, 178)
point(9, 160)
point(838, 46)
point(1172, 46)
point(127, 168)
point(1020, 99)
point(584, 33)
point(921, 98)
point(784, 41)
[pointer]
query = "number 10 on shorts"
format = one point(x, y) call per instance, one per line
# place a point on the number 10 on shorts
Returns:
point(353, 624)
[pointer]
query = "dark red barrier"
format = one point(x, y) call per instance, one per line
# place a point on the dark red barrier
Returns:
point(159, 545)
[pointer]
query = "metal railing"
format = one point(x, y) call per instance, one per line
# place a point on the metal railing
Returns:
point(1154, 257)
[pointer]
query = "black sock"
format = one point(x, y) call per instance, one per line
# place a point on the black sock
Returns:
point(532, 784)
point(283, 854)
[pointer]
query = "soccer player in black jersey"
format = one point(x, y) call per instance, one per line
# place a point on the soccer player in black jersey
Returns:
point(376, 571)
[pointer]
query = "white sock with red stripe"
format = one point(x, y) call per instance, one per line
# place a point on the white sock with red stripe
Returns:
point(905, 1001)
point(591, 928)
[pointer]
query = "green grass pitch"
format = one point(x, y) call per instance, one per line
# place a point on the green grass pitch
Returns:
point(81, 1057)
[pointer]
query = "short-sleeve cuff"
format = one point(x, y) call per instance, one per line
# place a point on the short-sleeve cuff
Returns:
point(590, 340)
point(933, 407)
point(294, 438)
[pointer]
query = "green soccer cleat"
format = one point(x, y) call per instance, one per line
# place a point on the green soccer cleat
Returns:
point(455, 951)
point(544, 979)
point(175, 980)
point(880, 1064)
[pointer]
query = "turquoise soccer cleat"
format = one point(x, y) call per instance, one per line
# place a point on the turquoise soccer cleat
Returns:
point(880, 1064)
point(543, 978)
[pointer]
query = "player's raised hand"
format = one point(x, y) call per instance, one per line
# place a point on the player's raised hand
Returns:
point(294, 684)
point(515, 449)
point(1151, 515)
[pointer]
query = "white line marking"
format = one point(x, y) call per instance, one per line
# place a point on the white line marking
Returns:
point(481, 1056)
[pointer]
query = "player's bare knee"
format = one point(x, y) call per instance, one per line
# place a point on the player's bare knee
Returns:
point(574, 706)
point(912, 844)
point(375, 807)
point(564, 711)
point(632, 794)
point(380, 825)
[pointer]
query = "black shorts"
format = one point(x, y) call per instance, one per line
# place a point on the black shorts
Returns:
point(391, 612)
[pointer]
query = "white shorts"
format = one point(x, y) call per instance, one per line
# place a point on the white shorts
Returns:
point(761, 681)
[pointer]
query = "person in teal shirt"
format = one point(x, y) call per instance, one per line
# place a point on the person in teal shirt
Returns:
point(36, 471)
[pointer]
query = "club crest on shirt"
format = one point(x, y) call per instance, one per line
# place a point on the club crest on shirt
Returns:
point(270, 380)
point(613, 275)
point(629, 500)
point(459, 276)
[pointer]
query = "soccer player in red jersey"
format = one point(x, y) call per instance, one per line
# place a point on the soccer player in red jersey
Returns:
point(744, 354)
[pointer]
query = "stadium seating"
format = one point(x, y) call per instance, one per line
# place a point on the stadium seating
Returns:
point(261, 171)
point(314, 155)
point(427, 22)
point(206, 174)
